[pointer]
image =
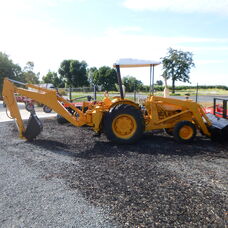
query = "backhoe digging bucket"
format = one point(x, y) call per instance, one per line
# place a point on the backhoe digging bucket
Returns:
point(219, 128)
point(34, 127)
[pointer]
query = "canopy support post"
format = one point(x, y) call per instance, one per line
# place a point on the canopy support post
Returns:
point(119, 81)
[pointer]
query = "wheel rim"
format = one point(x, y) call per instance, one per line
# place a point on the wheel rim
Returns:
point(124, 126)
point(186, 132)
point(29, 107)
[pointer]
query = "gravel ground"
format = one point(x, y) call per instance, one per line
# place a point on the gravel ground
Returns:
point(68, 177)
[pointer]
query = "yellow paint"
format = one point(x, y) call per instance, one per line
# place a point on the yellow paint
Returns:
point(186, 132)
point(124, 126)
point(167, 112)
point(160, 112)
point(97, 115)
point(117, 101)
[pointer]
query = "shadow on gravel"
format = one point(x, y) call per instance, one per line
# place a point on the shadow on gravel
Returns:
point(154, 145)
point(49, 144)
point(54, 147)
point(151, 144)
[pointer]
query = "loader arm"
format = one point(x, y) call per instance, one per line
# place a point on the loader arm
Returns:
point(192, 109)
point(48, 97)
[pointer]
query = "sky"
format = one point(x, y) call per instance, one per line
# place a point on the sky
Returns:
point(102, 31)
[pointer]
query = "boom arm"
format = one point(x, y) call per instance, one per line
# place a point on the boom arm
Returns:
point(187, 111)
point(48, 97)
point(11, 104)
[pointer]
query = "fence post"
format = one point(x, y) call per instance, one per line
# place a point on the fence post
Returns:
point(197, 88)
point(214, 106)
point(95, 92)
point(224, 108)
point(70, 95)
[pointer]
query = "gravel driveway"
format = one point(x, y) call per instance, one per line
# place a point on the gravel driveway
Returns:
point(69, 178)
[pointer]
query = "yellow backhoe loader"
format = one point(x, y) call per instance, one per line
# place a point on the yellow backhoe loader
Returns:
point(122, 120)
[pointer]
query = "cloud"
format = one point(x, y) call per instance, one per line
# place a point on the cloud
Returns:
point(121, 30)
point(41, 40)
point(212, 61)
point(181, 6)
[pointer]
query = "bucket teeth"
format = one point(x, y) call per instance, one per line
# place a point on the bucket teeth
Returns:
point(219, 128)
point(34, 127)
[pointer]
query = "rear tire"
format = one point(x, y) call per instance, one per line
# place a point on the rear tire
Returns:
point(46, 109)
point(124, 124)
point(184, 132)
point(60, 119)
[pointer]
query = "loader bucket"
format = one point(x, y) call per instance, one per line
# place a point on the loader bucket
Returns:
point(219, 128)
point(34, 127)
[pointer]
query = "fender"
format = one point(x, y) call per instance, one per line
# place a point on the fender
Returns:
point(118, 101)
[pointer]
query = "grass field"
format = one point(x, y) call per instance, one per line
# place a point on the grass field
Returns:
point(205, 95)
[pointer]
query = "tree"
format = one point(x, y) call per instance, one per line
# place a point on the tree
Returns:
point(29, 66)
point(106, 77)
point(53, 78)
point(28, 75)
point(159, 82)
point(8, 69)
point(131, 83)
point(74, 72)
point(91, 75)
point(176, 66)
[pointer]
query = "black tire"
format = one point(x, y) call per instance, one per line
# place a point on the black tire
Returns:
point(168, 131)
point(60, 119)
point(134, 119)
point(184, 132)
point(46, 109)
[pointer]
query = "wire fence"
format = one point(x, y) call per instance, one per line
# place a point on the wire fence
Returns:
point(85, 93)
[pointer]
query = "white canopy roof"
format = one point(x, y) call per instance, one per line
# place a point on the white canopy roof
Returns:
point(135, 63)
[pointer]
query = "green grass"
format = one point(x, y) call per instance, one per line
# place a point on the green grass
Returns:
point(192, 92)
point(213, 92)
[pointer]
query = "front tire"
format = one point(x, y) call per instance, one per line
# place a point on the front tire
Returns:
point(184, 132)
point(124, 124)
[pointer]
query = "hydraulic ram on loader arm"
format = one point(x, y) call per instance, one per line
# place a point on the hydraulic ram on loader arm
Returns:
point(48, 97)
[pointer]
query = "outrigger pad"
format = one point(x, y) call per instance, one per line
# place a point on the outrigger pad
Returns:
point(219, 128)
point(34, 127)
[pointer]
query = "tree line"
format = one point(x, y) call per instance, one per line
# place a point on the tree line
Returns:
point(75, 73)
point(71, 73)
point(14, 71)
